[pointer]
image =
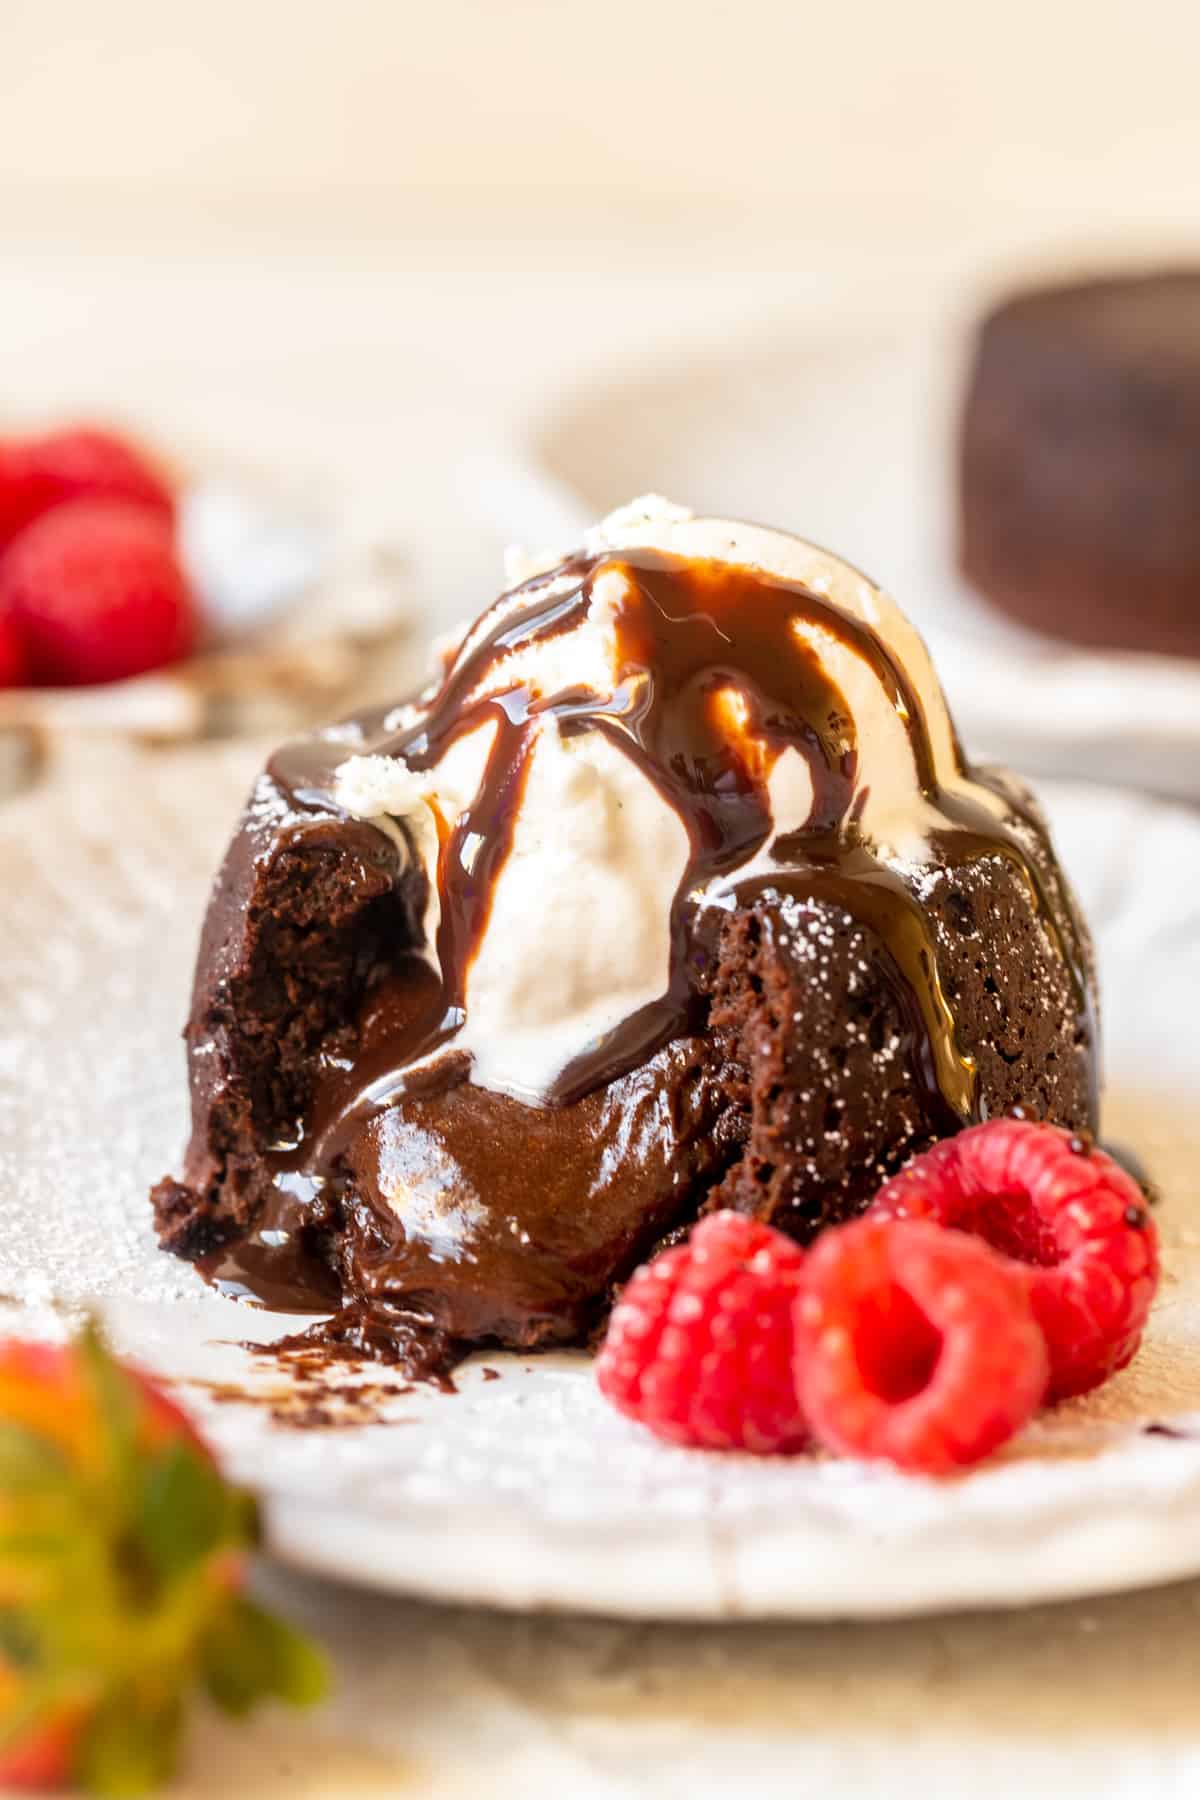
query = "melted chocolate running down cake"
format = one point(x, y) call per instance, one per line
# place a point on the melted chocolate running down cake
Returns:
point(674, 892)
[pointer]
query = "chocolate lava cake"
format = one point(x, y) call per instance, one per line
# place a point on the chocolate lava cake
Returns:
point(719, 823)
point(1080, 461)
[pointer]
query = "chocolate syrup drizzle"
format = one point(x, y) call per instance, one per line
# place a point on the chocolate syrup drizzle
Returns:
point(689, 635)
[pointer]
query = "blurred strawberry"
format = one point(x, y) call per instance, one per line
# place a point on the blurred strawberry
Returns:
point(122, 1559)
point(96, 591)
point(38, 473)
point(42, 1754)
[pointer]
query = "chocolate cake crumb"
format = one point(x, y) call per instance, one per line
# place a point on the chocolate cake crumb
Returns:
point(374, 1330)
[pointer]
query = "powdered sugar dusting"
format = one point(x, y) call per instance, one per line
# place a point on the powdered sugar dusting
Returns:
point(106, 876)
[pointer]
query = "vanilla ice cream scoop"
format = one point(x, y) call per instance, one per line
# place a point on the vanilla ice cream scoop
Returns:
point(555, 752)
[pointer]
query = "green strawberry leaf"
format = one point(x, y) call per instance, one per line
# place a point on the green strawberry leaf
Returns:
point(29, 1462)
point(245, 1519)
point(118, 1404)
point(127, 1749)
point(252, 1656)
point(27, 1545)
point(20, 1643)
point(183, 1510)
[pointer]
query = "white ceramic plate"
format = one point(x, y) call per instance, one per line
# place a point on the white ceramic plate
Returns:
point(849, 441)
point(524, 1490)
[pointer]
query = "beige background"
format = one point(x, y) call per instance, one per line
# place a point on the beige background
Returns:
point(937, 125)
point(371, 241)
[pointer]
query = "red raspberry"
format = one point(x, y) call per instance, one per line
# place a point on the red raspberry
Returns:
point(699, 1346)
point(14, 664)
point(1064, 1209)
point(96, 589)
point(84, 463)
point(915, 1344)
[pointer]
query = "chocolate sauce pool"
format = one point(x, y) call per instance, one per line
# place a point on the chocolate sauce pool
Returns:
point(689, 635)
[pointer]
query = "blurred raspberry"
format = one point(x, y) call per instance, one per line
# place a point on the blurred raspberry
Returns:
point(97, 592)
point(39, 473)
point(14, 663)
